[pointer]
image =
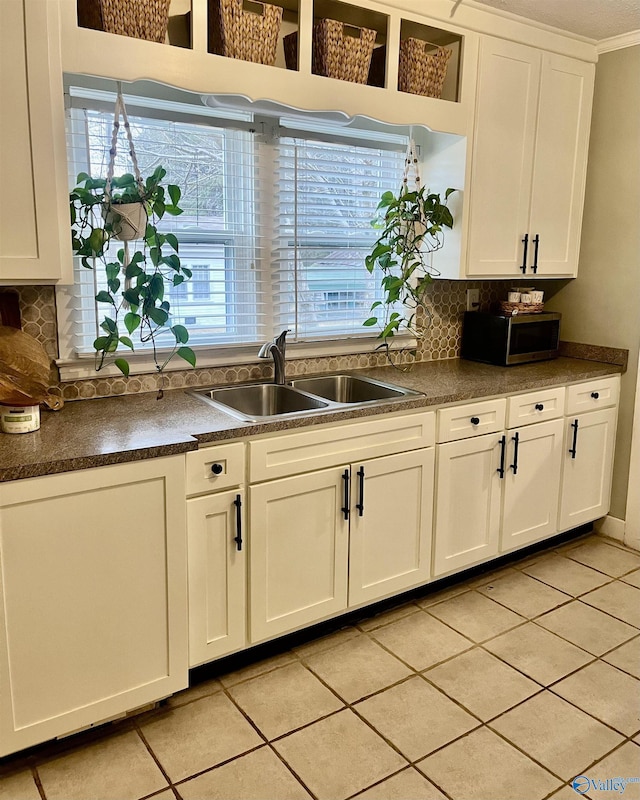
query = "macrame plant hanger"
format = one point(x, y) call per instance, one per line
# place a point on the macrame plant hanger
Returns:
point(411, 172)
point(127, 215)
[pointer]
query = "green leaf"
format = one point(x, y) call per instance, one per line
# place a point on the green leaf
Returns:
point(133, 270)
point(371, 321)
point(156, 287)
point(174, 194)
point(158, 315)
point(172, 261)
point(126, 341)
point(186, 272)
point(105, 297)
point(181, 334)
point(155, 255)
point(449, 192)
point(109, 326)
point(131, 321)
point(101, 342)
point(172, 239)
point(123, 365)
point(188, 355)
point(177, 280)
point(132, 297)
point(173, 210)
point(86, 263)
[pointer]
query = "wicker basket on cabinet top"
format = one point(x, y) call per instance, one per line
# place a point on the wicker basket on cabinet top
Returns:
point(244, 29)
point(141, 19)
point(337, 52)
point(420, 71)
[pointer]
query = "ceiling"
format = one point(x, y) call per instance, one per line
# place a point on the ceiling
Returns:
point(596, 19)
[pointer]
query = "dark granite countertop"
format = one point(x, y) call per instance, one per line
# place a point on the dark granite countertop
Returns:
point(91, 433)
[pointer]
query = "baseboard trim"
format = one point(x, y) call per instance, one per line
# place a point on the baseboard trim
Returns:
point(610, 526)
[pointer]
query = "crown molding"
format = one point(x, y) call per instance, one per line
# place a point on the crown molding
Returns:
point(618, 42)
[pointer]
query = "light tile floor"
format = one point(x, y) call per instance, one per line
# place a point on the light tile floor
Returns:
point(505, 687)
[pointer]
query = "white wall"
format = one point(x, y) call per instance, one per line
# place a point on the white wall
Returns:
point(602, 306)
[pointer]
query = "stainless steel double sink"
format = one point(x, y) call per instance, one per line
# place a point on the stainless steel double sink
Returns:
point(258, 402)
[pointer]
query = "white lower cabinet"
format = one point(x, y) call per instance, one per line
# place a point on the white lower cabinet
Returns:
point(328, 540)
point(217, 576)
point(587, 467)
point(468, 492)
point(498, 491)
point(298, 551)
point(93, 597)
point(531, 484)
point(390, 539)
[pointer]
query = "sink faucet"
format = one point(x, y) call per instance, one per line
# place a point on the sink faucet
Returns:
point(277, 349)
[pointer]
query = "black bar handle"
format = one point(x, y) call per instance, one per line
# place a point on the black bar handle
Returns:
point(536, 243)
point(516, 441)
point(539, 407)
point(525, 242)
point(360, 503)
point(503, 449)
point(345, 507)
point(572, 449)
point(238, 537)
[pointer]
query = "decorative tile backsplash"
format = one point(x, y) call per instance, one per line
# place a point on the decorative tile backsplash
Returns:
point(447, 300)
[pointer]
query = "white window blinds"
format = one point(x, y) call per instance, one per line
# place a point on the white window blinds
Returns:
point(275, 228)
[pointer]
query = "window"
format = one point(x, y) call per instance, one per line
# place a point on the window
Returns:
point(276, 222)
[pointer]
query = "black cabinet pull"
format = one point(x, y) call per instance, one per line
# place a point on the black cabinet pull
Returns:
point(572, 449)
point(516, 441)
point(345, 507)
point(475, 420)
point(539, 407)
point(595, 395)
point(360, 503)
point(238, 537)
point(536, 242)
point(216, 469)
point(525, 242)
point(503, 449)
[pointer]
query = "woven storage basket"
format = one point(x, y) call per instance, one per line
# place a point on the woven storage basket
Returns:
point(141, 19)
point(422, 72)
point(336, 54)
point(511, 309)
point(238, 31)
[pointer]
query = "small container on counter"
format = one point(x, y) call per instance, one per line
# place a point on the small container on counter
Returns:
point(19, 419)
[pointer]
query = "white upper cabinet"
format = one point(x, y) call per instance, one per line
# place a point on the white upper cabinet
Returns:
point(533, 112)
point(35, 240)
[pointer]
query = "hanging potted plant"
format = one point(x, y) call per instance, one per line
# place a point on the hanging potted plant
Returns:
point(411, 225)
point(127, 208)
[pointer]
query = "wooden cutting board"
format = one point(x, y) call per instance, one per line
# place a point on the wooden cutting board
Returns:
point(24, 370)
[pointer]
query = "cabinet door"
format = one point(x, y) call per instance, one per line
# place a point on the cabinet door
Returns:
point(217, 584)
point(93, 597)
point(560, 164)
point(298, 551)
point(35, 239)
point(468, 492)
point(586, 478)
point(531, 483)
point(503, 147)
point(390, 537)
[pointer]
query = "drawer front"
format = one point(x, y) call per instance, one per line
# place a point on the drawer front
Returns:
point(592, 395)
point(524, 409)
point(473, 419)
point(211, 469)
point(288, 454)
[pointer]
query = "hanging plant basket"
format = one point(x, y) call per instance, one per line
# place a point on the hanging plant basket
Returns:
point(127, 220)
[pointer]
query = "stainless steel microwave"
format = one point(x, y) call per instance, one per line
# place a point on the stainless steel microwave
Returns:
point(510, 340)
